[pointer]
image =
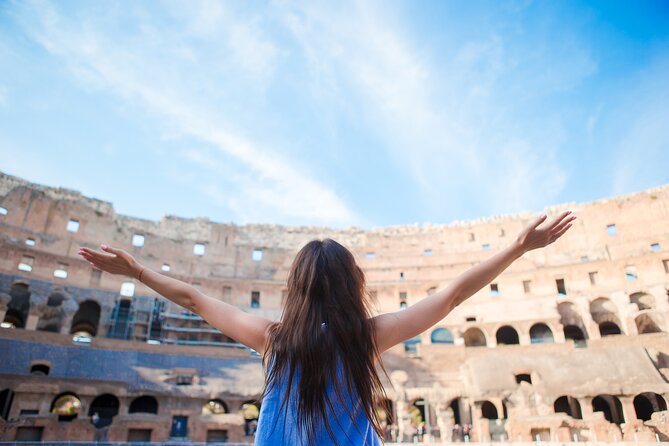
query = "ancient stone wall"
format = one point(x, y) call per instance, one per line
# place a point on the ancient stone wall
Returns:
point(579, 325)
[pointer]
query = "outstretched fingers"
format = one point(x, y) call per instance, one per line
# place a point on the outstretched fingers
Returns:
point(558, 220)
point(563, 224)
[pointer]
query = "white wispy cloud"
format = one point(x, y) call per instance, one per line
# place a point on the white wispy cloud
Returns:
point(439, 123)
point(272, 188)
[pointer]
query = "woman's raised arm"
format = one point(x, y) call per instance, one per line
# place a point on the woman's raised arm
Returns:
point(243, 327)
point(396, 327)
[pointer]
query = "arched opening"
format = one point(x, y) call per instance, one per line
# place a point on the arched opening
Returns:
point(643, 301)
point(507, 335)
point(441, 336)
point(144, 404)
point(250, 412)
point(474, 337)
point(575, 334)
point(51, 318)
point(489, 411)
point(572, 323)
point(66, 406)
point(417, 412)
point(610, 406)
point(40, 369)
point(604, 313)
point(86, 319)
point(609, 329)
point(541, 334)
point(455, 408)
point(645, 404)
point(568, 405)
point(6, 398)
point(648, 323)
point(106, 408)
point(385, 412)
point(19, 305)
point(214, 407)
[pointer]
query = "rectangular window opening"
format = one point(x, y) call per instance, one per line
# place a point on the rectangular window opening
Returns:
point(127, 289)
point(198, 249)
point(561, 288)
point(3, 211)
point(371, 255)
point(166, 267)
point(401, 277)
point(138, 240)
point(72, 225)
point(30, 241)
point(502, 233)
point(527, 286)
point(485, 247)
point(61, 271)
point(255, 299)
point(403, 300)
point(494, 290)
point(26, 264)
point(665, 263)
point(472, 236)
point(612, 229)
point(427, 252)
point(470, 319)
point(655, 247)
point(257, 255)
point(593, 277)
point(630, 272)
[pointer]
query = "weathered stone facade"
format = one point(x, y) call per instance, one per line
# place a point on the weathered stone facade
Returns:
point(571, 340)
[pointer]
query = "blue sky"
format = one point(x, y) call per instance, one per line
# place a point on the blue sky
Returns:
point(336, 113)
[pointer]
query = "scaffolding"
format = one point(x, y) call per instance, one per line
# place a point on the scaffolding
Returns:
point(159, 321)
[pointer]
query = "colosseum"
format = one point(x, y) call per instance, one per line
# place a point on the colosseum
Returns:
point(568, 345)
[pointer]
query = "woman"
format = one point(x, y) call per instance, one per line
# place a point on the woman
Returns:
point(321, 358)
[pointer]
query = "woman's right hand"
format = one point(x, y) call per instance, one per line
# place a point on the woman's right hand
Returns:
point(114, 261)
point(533, 236)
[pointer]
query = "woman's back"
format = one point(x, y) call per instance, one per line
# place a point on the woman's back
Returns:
point(347, 420)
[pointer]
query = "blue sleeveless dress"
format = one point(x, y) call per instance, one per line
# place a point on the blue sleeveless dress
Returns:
point(278, 427)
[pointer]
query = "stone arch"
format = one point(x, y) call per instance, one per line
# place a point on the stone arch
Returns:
point(250, 411)
point(51, 318)
point(648, 322)
point(507, 335)
point(643, 301)
point(605, 315)
point(454, 407)
point(66, 405)
point(106, 406)
point(611, 406)
point(541, 333)
point(489, 411)
point(386, 412)
point(441, 336)
point(474, 337)
point(144, 404)
point(569, 405)
point(417, 412)
point(572, 323)
point(214, 407)
point(87, 318)
point(19, 305)
point(645, 404)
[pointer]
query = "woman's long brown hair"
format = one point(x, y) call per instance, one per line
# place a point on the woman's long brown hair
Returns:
point(325, 286)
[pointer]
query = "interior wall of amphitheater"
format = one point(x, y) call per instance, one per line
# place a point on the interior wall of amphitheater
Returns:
point(569, 343)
